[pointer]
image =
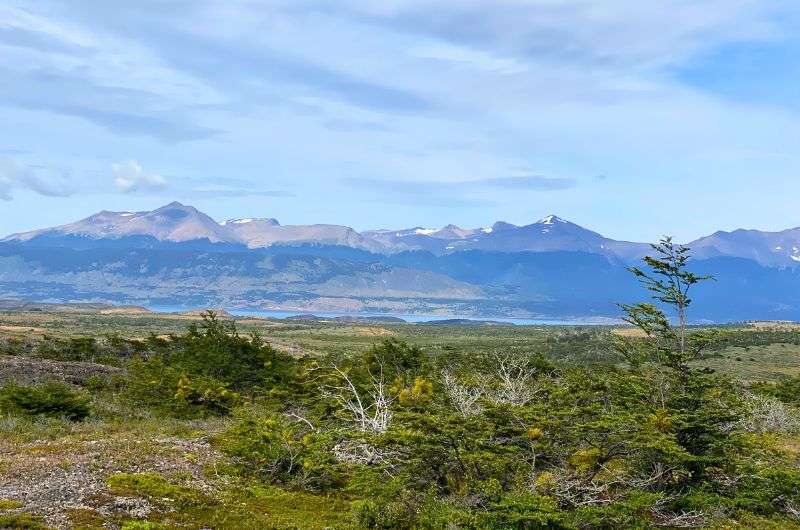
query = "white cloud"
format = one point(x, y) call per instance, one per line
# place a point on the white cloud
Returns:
point(41, 181)
point(130, 178)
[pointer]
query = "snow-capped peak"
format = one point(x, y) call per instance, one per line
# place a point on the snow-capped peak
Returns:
point(487, 229)
point(425, 231)
point(551, 219)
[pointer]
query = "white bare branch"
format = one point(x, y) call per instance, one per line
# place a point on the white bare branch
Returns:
point(369, 414)
point(516, 382)
point(361, 453)
point(299, 417)
point(668, 519)
point(465, 399)
point(767, 414)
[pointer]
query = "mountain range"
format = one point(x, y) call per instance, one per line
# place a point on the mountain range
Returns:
point(176, 222)
point(177, 255)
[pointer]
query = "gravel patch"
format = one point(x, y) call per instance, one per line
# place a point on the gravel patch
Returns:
point(27, 370)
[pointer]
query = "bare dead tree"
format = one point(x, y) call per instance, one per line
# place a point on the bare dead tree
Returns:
point(574, 489)
point(767, 414)
point(788, 506)
point(369, 413)
point(296, 414)
point(515, 381)
point(465, 399)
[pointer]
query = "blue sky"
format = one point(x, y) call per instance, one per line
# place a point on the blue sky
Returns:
point(632, 118)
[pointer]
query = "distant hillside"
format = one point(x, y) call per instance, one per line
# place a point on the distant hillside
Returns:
point(177, 255)
point(333, 278)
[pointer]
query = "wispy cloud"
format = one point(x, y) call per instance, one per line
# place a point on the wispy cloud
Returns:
point(229, 191)
point(528, 182)
point(448, 193)
point(624, 32)
point(236, 67)
point(43, 181)
point(226, 187)
point(122, 110)
point(38, 40)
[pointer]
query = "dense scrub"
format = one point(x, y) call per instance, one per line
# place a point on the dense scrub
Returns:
point(406, 439)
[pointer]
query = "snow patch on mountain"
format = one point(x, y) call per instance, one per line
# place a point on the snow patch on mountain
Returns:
point(551, 219)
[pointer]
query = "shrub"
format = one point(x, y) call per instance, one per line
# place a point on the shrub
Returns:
point(277, 450)
point(52, 399)
point(396, 359)
point(72, 349)
point(156, 385)
point(215, 349)
point(206, 393)
point(768, 414)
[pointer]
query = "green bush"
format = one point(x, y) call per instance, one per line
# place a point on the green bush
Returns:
point(280, 451)
point(72, 349)
point(214, 349)
point(206, 371)
point(156, 385)
point(52, 399)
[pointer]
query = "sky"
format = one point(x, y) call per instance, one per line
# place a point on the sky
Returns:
point(635, 119)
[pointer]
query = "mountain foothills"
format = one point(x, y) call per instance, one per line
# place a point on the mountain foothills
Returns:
point(177, 255)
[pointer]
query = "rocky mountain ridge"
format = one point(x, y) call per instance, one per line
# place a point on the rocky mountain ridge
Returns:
point(176, 223)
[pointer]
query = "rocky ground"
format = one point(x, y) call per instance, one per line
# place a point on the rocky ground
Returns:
point(28, 370)
point(67, 481)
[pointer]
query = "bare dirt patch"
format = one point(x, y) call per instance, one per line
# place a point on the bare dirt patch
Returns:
point(373, 331)
point(628, 332)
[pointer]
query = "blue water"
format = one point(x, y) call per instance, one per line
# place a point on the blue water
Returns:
point(407, 318)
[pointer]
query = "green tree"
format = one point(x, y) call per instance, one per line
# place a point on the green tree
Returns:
point(669, 281)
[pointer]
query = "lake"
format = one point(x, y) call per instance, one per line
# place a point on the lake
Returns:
point(416, 318)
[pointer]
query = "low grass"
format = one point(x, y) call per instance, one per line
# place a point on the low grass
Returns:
point(243, 507)
point(155, 487)
point(22, 521)
point(9, 504)
point(758, 363)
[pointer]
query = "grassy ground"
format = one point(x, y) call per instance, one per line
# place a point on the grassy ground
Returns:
point(758, 363)
point(298, 336)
